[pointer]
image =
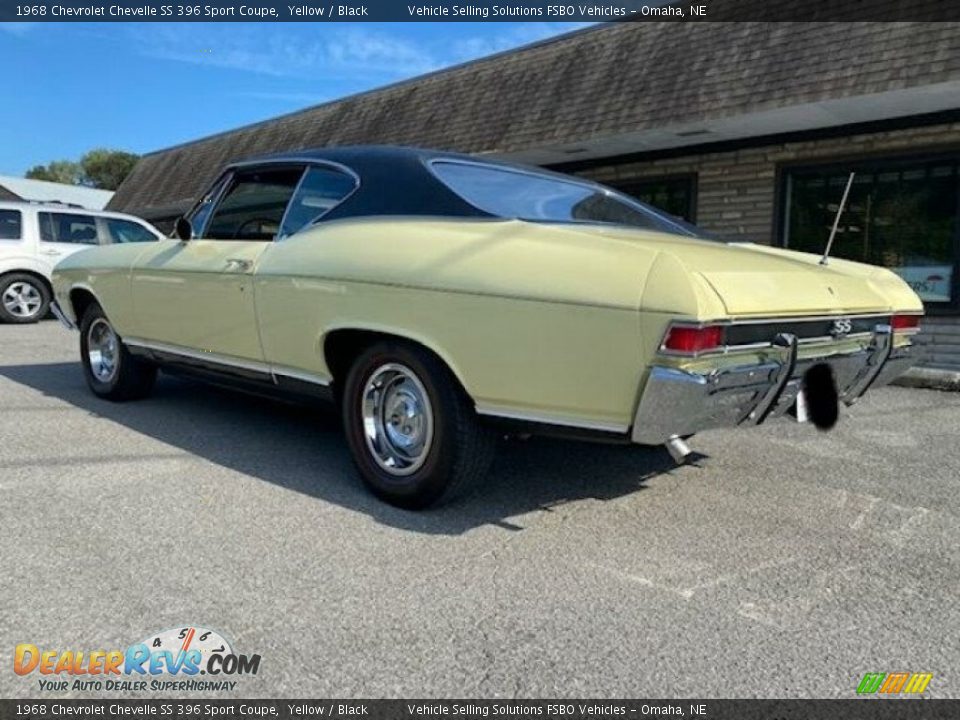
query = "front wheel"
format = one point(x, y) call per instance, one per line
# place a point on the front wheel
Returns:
point(110, 370)
point(413, 433)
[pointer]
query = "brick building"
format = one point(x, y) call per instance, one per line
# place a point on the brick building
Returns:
point(749, 129)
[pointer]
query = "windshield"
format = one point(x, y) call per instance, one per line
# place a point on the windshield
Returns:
point(509, 193)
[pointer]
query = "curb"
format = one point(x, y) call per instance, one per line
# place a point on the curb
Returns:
point(930, 378)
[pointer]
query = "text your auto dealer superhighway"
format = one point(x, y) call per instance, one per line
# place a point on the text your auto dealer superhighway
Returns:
point(141, 11)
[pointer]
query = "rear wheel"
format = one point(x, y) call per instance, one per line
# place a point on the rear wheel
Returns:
point(24, 298)
point(413, 433)
point(110, 370)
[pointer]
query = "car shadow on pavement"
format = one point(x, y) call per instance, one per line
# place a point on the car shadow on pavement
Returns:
point(302, 448)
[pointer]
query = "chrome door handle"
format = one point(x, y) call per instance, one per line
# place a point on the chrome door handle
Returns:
point(50, 252)
point(239, 264)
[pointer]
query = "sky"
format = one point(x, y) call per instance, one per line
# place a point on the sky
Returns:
point(70, 87)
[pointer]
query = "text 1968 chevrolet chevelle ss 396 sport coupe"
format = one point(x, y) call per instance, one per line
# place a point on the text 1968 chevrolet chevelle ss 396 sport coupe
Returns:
point(440, 298)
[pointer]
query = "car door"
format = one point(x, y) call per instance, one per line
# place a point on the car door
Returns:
point(196, 296)
point(62, 234)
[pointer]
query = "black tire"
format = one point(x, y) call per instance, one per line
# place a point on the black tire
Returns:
point(30, 289)
point(460, 448)
point(130, 378)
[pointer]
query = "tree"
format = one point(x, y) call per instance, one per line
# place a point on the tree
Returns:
point(58, 171)
point(100, 168)
point(106, 169)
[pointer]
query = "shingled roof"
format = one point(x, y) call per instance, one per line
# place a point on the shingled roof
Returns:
point(609, 80)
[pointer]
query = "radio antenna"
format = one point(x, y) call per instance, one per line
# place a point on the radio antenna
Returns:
point(836, 220)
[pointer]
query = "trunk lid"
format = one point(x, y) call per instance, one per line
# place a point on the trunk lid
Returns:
point(762, 281)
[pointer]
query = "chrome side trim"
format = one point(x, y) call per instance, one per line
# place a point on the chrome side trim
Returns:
point(563, 420)
point(300, 375)
point(226, 360)
point(58, 314)
point(271, 371)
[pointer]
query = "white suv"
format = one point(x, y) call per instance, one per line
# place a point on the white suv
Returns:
point(36, 236)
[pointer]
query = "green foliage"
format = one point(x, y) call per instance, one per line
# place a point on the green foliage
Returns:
point(100, 168)
point(59, 171)
point(106, 169)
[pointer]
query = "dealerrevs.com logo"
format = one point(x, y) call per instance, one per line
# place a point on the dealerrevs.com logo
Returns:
point(170, 660)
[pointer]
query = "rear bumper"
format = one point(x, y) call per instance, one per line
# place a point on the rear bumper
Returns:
point(679, 403)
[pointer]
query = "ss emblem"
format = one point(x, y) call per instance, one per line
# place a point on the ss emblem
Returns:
point(840, 327)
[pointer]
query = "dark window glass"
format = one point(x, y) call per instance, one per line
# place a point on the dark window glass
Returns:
point(68, 228)
point(127, 231)
point(674, 195)
point(508, 193)
point(899, 215)
point(321, 189)
point(198, 217)
point(253, 205)
point(10, 224)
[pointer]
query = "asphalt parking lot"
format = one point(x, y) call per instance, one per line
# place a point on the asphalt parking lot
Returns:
point(784, 563)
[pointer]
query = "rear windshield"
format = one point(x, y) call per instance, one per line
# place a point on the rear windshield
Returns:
point(522, 195)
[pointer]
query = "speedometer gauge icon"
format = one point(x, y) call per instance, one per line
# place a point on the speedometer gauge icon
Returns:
point(184, 639)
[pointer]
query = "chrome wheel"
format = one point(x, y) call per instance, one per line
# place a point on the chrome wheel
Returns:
point(397, 419)
point(103, 350)
point(22, 299)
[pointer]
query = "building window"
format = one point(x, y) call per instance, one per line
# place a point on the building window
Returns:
point(675, 194)
point(901, 214)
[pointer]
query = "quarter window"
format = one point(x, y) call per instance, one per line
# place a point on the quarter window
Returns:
point(11, 223)
point(68, 228)
point(507, 193)
point(321, 189)
point(127, 231)
point(253, 205)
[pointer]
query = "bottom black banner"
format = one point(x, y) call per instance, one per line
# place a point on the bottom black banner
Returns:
point(854, 709)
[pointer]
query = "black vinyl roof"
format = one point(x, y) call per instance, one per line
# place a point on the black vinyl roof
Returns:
point(394, 180)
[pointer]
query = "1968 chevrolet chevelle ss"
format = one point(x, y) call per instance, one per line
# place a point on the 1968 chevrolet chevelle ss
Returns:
point(442, 299)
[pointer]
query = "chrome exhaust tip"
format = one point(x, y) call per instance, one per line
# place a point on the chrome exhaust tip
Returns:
point(678, 449)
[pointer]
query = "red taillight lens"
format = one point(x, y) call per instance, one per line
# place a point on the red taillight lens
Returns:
point(903, 323)
point(684, 339)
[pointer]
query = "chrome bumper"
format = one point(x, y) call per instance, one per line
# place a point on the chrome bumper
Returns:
point(680, 403)
point(58, 314)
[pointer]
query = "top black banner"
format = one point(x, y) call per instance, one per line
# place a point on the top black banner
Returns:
point(479, 10)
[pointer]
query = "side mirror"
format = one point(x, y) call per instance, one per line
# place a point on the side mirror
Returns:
point(183, 230)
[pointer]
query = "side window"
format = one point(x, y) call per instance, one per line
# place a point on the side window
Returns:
point(321, 189)
point(201, 212)
point(253, 205)
point(68, 228)
point(127, 231)
point(11, 223)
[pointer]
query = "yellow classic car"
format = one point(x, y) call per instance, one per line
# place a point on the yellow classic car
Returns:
point(442, 300)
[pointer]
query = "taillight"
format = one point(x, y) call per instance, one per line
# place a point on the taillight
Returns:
point(905, 323)
point(693, 340)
